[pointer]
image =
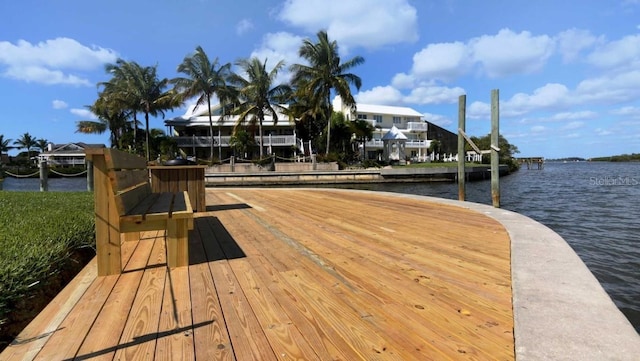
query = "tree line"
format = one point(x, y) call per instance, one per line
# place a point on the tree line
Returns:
point(251, 94)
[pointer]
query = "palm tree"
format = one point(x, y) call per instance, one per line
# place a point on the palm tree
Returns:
point(138, 88)
point(325, 72)
point(27, 142)
point(205, 78)
point(258, 95)
point(4, 144)
point(42, 144)
point(363, 131)
point(109, 118)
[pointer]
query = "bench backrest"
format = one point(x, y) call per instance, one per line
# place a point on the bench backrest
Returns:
point(128, 176)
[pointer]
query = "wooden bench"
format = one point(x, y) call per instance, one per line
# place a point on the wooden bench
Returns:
point(125, 206)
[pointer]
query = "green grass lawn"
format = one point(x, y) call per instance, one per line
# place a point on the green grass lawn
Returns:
point(38, 234)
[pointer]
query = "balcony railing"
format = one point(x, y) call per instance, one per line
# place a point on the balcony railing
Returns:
point(410, 143)
point(417, 127)
point(202, 141)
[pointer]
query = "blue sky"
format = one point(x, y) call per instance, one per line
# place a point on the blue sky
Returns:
point(568, 71)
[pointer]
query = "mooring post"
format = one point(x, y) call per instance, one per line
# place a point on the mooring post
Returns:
point(89, 165)
point(462, 110)
point(495, 159)
point(232, 162)
point(44, 176)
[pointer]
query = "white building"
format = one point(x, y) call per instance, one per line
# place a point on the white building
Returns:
point(191, 131)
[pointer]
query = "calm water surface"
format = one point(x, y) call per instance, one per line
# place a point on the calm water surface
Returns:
point(593, 206)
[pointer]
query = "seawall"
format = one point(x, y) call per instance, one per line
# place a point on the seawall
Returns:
point(384, 175)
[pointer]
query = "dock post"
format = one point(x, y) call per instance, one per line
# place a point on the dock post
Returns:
point(44, 176)
point(495, 161)
point(89, 175)
point(462, 109)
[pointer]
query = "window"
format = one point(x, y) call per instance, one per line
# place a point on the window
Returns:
point(397, 120)
point(362, 116)
point(377, 119)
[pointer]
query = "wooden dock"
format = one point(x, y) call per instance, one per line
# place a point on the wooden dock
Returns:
point(284, 274)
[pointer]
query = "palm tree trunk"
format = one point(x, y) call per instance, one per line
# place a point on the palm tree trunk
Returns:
point(328, 121)
point(261, 139)
point(146, 127)
point(211, 129)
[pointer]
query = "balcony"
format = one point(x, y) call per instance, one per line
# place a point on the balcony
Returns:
point(410, 143)
point(417, 126)
point(203, 141)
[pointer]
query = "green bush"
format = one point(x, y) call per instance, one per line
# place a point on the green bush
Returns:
point(38, 233)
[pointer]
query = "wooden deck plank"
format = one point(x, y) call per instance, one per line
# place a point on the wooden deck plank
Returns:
point(284, 337)
point(299, 274)
point(102, 340)
point(247, 338)
point(77, 324)
point(138, 340)
point(271, 264)
point(31, 340)
point(175, 332)
point(209, 332)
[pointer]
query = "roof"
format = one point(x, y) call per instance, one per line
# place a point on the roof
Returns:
point(394, 134)
point(388, 109)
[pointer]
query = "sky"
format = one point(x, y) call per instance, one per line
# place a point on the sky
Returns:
point(568, 72)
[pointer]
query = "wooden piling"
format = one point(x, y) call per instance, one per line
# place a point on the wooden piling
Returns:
point(462, 109)
point(495, 161)
point(44, 176)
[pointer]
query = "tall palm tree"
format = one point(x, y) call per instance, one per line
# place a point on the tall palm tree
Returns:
point(42, 144)
point(258, 94)
point(138, 88)
point(109, 118)
point(205, 79)
point(306, 113)
point(4, 144)
point(27, 142)
point(325, 72)
point(363, 131)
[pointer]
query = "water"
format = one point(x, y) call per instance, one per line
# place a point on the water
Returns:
point(55, 184)
point(593, 206)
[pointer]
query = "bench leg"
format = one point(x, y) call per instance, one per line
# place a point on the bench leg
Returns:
point(108, 249)
point(177, 243)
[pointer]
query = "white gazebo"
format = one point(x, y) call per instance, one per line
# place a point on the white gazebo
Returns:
point(394, 143)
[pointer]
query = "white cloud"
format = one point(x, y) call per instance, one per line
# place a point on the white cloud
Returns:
point(508, 53)
point(276, 47)
point(437, 119)
point(623, 53)
point(52, 61)
point(83, 113)
point(243, 26)
point(433, 94)
point(538, 129)
point(573, 125)
point(59, 104)
point(384, 95)
point(586, 114)
point(365, 23)
point(573, 41)
point(547, 97)
point(443, 61)
point(610, 88)
point(478, 110)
